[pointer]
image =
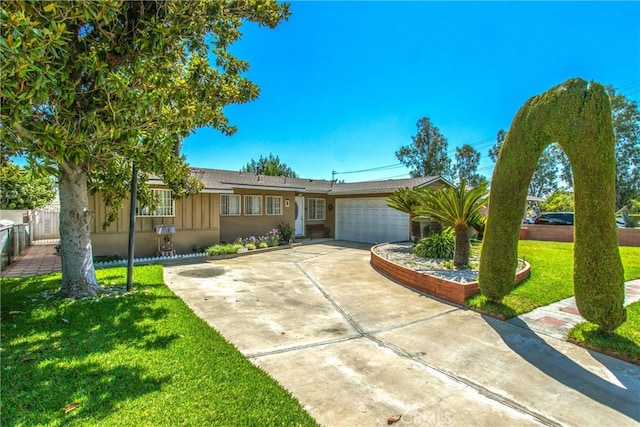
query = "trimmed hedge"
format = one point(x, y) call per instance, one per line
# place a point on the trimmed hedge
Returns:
point(576, 115)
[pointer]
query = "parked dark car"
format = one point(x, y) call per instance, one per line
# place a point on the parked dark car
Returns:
point(555, 218)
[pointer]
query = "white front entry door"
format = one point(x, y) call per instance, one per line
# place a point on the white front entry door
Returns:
point(299, 213)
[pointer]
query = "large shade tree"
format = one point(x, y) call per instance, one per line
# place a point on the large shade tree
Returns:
point(91, 87)
point(19, 189)
point(466, 167)
point(427, 154)
point(270, 166)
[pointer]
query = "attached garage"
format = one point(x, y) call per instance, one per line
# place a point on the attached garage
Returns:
point(370, 220)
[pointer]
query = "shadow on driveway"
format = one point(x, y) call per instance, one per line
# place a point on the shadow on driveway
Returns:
point(624, 398)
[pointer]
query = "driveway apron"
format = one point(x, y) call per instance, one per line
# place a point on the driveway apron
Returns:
point(356, 348)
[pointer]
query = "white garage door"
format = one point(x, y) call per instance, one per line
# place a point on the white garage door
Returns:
point(370, 220)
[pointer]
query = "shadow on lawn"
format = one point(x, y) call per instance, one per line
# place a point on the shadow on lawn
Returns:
point(57, 352)
point(624, 399)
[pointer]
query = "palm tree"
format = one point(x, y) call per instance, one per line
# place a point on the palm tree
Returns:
point(405, 200)
point(457, 206)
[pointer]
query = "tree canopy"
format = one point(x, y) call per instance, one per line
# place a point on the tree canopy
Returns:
point(427, 155)
point(271, 166)
point(19, 189)
point(89, 88)
point(626, 129)
point(457, 206)
point(559, 201)
point(466, 167)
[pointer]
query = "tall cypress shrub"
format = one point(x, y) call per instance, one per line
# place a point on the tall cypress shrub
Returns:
point(576, 115)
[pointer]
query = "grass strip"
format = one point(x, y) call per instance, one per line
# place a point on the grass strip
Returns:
point(551, 277)
point(624, 341)
point(142, 358)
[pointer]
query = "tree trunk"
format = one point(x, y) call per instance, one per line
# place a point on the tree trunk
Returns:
point(463, 246)
point(416, 232)
point(78, 274)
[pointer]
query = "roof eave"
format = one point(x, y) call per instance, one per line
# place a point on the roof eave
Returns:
point(264, 187)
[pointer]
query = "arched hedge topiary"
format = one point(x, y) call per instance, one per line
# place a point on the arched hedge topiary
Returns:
point(576, 115)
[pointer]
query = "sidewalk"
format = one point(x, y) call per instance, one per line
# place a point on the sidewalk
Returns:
point(557, 319)
point(38, 259)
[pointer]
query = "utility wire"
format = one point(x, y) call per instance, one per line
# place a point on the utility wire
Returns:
point(631, 88)
point(379, 168)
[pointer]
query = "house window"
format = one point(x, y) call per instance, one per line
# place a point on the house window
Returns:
point(253, 205)
point(165, 206)
point(229, 204)
point(316, 209)
point(273, 205)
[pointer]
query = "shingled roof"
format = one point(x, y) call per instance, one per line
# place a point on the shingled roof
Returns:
point(218, 180)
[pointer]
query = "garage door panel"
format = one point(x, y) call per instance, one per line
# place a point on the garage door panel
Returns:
point(370, 220)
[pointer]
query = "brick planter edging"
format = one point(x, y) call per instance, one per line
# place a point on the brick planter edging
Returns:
point(447, 290)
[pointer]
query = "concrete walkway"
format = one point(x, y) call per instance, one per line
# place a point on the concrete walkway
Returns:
point(38, 259)
point(557, 319)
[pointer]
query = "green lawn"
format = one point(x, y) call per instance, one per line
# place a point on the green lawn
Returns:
point(552, 280)
point(137, 359)
point(551, 277)
point(624, 341)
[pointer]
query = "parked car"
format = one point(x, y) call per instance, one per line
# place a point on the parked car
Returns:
point(555, 218)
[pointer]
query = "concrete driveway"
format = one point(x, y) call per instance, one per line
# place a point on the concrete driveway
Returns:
point(356, 348)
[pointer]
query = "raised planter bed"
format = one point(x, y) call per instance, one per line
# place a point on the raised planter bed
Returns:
point(445, 289)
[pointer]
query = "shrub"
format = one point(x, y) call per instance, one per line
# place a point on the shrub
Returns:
point(439, 245)
point(559, 201)
point(250, 246)
point(263, 244)
point(286, 231)
point(598, 274)
point(221, 249)
point(273, 237)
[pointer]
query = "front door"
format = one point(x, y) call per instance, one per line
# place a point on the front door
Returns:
point(299, 212)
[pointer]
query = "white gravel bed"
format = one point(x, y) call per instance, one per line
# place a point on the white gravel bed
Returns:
point(401, 253)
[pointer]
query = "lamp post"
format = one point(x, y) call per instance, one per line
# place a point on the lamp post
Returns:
point(132, 224)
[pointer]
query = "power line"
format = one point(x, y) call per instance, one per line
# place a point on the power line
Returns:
point(379, 168)
point(631, 88)
point(629, 85)
point(404, 175)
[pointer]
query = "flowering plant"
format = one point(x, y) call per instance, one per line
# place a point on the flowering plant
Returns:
point(272, 238)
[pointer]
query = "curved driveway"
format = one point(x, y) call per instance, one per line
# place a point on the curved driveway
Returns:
point(356, 348)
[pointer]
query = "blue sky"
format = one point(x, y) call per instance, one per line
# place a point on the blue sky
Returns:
point(344, 83)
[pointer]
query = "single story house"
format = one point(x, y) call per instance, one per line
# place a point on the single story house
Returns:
point(240, 204)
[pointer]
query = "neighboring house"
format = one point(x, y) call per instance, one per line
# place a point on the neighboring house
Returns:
point(241, 204)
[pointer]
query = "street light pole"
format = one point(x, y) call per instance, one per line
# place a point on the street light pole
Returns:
point(132, 225)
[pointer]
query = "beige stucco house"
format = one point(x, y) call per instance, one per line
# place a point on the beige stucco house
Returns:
point(241, 204)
